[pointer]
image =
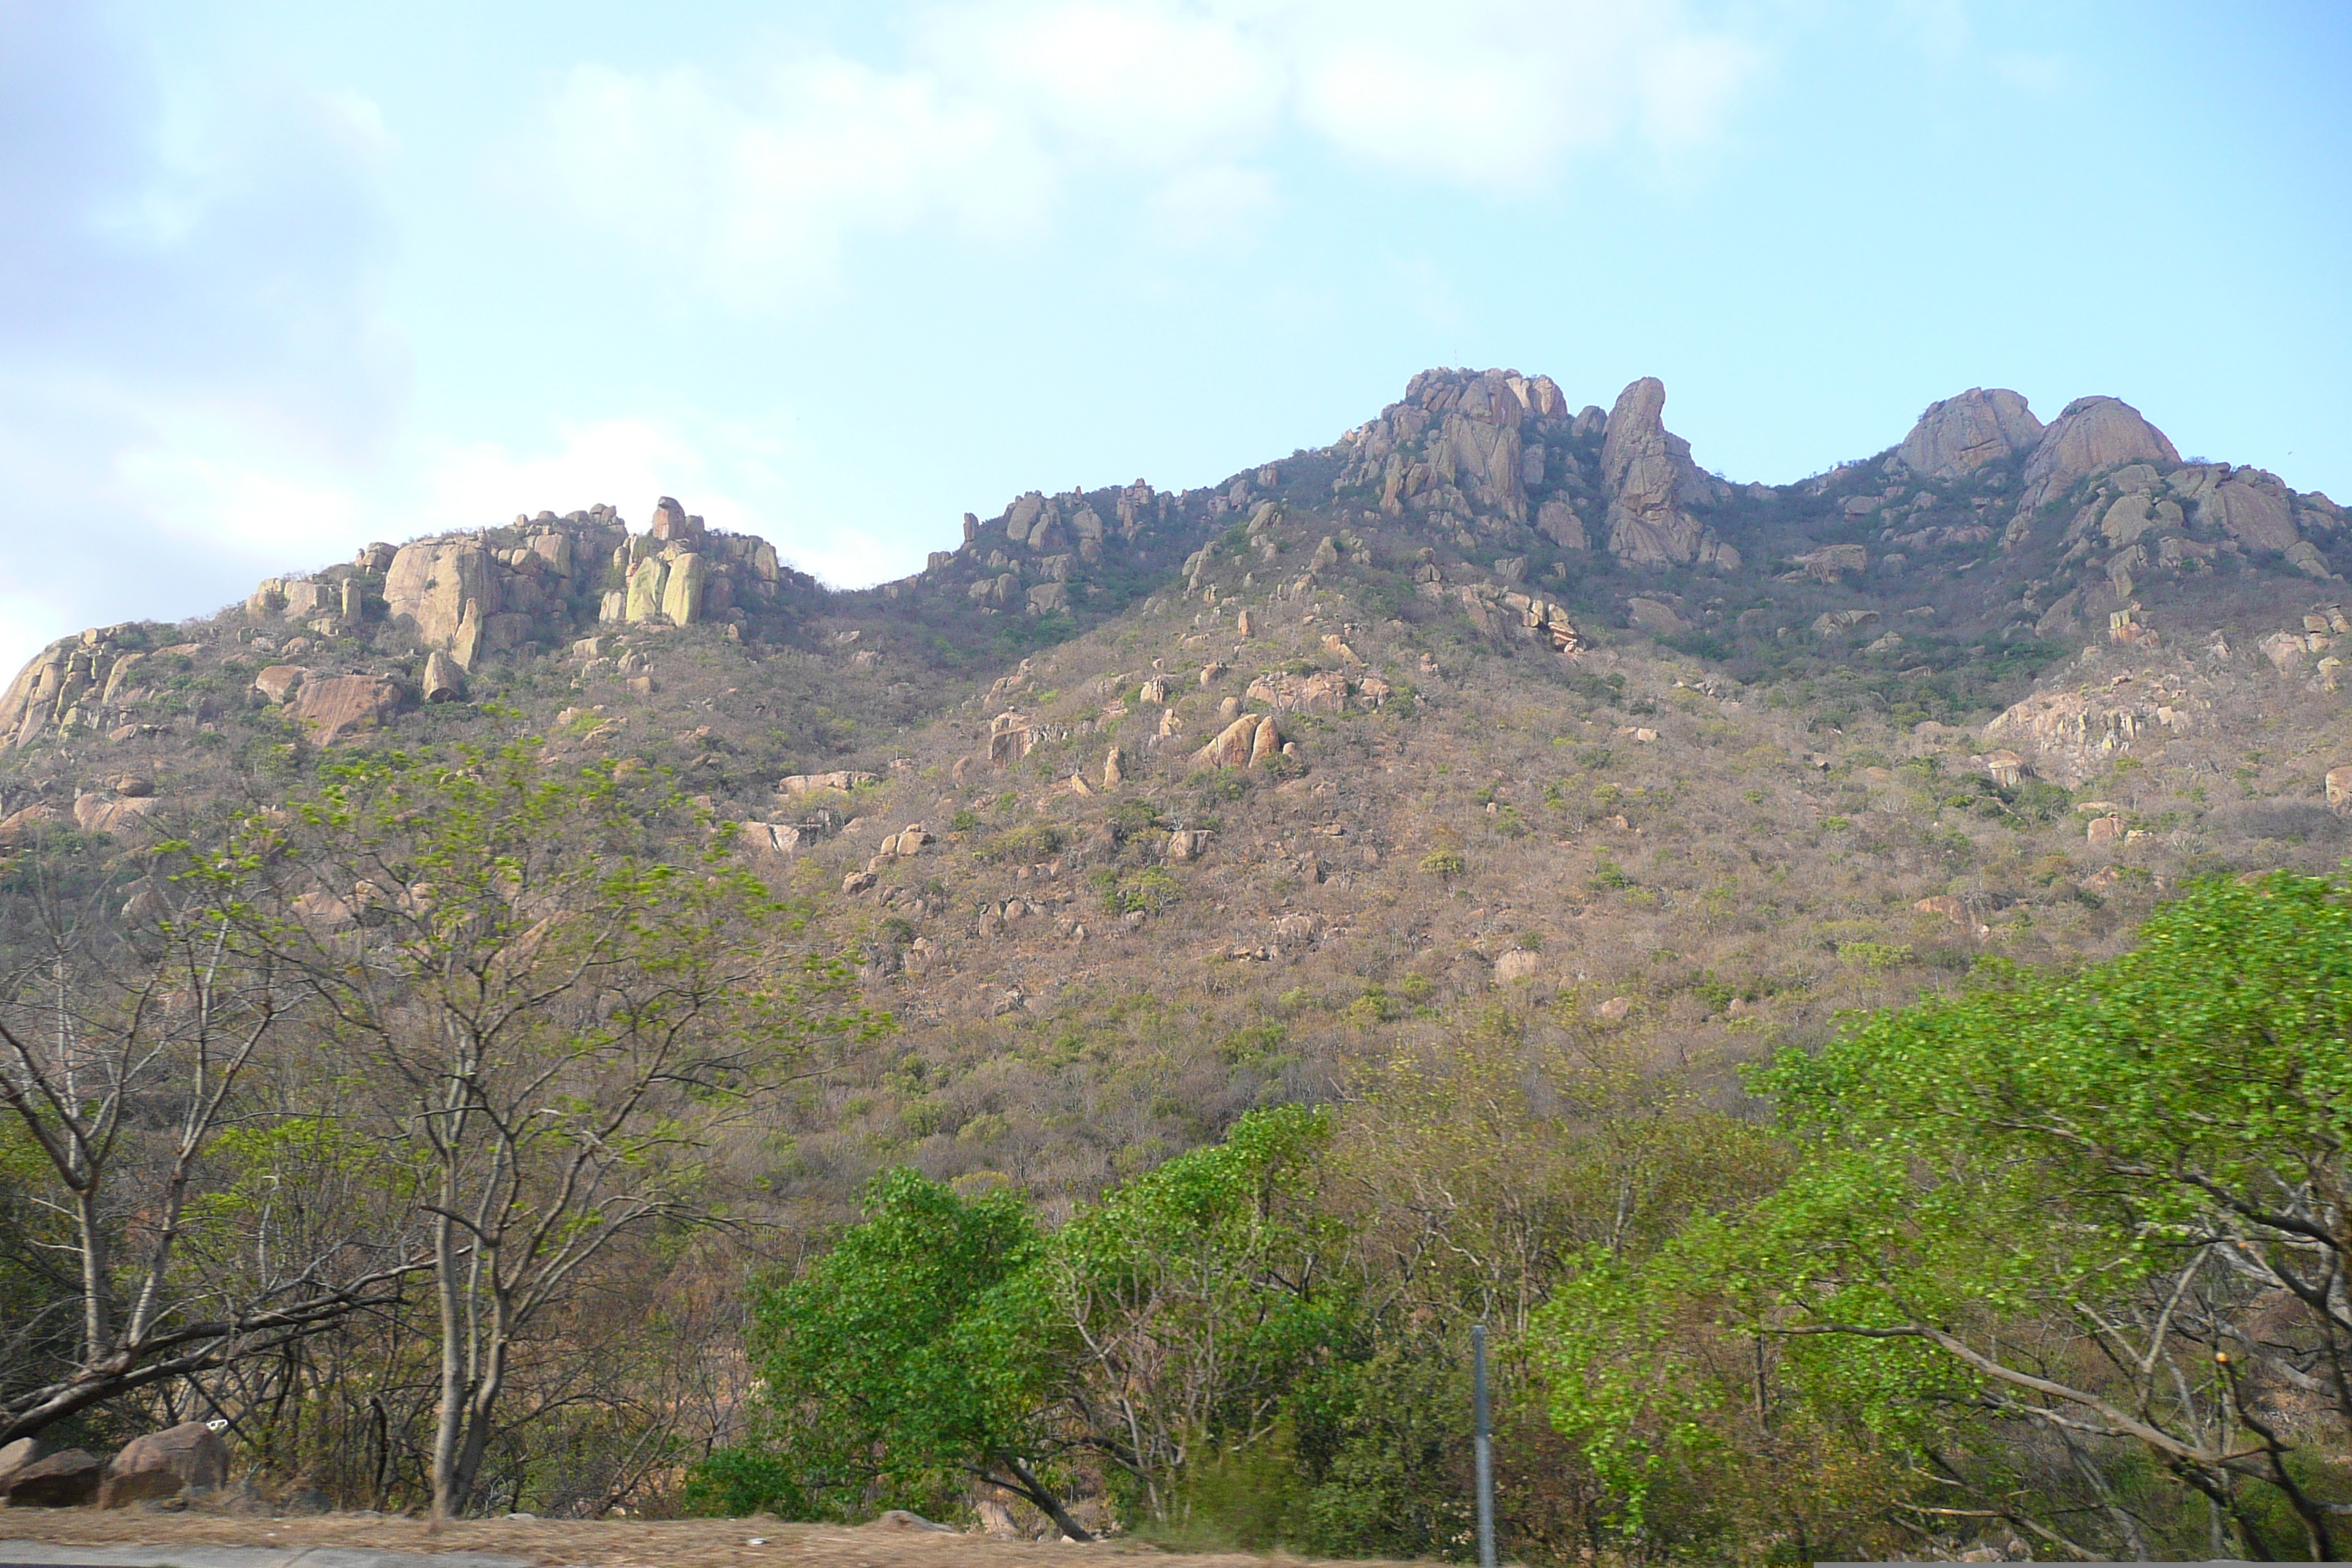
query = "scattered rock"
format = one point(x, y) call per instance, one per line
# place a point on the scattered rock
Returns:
point(1616, 1007)
point(16, 1455)
point(444, 681)
point(68, 1480)
point(1656, 617)
point(802, 784)
point(277, 680)
point(106, 813)
point(1517, 964)
point(898, 1520)
point(164, 1464)
point(1247, 742)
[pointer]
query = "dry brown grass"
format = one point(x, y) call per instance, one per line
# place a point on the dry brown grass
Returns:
point(600, 1543)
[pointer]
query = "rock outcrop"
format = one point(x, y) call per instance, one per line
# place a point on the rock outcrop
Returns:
point(1651, 482)
point(341, 706)
point(70, 685)
point(1244, 744)
point(1466, 445)
point(2068, 736)
point(546, 578)
point(1960, 435)
point(2090, 434)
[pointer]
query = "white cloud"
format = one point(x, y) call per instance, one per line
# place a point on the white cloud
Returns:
point(1499, 94)
point(754, 186)
point(756, 200)
point(193, 352)
point(1131, 82)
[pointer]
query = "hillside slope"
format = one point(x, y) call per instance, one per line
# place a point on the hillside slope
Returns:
point(1138, 808)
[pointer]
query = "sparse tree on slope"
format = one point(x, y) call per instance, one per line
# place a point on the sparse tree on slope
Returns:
point(547, 1011)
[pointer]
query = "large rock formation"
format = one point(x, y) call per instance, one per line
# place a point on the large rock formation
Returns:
point(681, 573)
point(1652, 482)
point(545, 578)
point(2251, 506)
point(1469, 445)
point(74, 684)
point(2090, 434)
point(1960, 435)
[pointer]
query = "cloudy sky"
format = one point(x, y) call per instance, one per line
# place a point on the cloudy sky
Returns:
point(281, 279)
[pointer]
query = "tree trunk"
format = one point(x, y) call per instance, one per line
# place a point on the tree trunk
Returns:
point(479, 1409)
point(446, 1501)
point(97, 1329)
point(1037, 1492)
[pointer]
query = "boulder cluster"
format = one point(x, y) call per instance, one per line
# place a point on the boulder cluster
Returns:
point(544, 579)
point(186, 1458)
point(1484, 451)
point(79, 684)
point(1031, 557)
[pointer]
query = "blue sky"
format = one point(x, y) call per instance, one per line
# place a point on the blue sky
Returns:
point(283, 279)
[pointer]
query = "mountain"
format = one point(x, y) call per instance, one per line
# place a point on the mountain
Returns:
point(1138, 807)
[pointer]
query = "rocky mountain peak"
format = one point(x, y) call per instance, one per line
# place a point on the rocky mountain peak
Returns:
point(1960, 435)
point(2091, 434)
point(1651, 482)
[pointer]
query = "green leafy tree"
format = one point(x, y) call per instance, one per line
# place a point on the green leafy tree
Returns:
point(920, 1355)
point(945, 1342)
point(2106, 1217)
point(1195, 1297)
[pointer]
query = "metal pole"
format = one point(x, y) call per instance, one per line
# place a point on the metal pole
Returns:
point(1485, 1447)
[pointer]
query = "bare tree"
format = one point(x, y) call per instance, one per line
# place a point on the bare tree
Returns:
point(123, 1056)
point(552, 1011)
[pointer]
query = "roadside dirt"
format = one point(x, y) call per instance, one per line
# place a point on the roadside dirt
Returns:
point(603, 1543)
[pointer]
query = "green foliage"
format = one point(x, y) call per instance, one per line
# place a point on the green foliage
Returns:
point(2085, 1199)
point(1020, 846)
point(920, 1345)
point(946, 1337)
point(1130, 819)
point(1202, 1293)
point(1443, 863)
point(1150, 891)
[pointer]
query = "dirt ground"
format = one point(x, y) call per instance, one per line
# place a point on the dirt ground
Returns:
point(757, 1543)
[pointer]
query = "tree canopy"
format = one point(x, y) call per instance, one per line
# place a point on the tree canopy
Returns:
point(2106, 1211)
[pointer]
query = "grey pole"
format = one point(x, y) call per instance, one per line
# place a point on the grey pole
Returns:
point(1485, 1447)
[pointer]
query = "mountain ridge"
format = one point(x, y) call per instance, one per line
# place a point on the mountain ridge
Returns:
point(1484, 461)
